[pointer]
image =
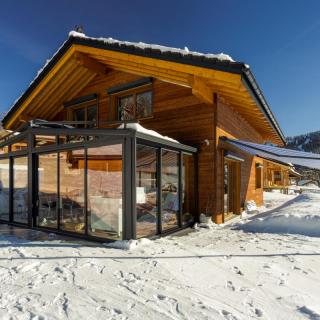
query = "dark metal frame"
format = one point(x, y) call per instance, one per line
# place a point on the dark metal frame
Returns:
point(127, 137)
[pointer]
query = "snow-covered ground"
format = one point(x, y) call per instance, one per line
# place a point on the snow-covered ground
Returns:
point(218, 273)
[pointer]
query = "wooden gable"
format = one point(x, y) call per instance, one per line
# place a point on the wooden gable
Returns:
point(82, 65)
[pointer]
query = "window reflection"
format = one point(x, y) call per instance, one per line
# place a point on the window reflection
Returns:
point(170, 189)
point(72, 191)
point(20, 189)
point(21, 145)
point(48, 193)
point(4, 189)
point(105, 191)
point(146, 191)
point(42, 140)
point(4, 150)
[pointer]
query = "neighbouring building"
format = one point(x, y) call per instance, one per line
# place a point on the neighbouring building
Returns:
point(119, 140)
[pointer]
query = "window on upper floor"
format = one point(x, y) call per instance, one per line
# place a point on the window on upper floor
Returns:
point(87, 114)
point(84, 110)
point(134, 105)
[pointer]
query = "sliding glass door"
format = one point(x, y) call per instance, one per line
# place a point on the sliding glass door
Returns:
point(165, 190)
point(20, 189)
point(146, 191)
point(72, 191)
point(170, 201)
point(48, 190)
point(80, 191)
point(4, 189)
point(104, 181)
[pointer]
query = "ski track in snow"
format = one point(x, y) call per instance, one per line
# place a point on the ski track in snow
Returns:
point(220, 273)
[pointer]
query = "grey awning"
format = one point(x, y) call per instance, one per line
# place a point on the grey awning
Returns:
point(286, 156)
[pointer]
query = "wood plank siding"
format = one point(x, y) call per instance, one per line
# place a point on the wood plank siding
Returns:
point(230, 124)
point(179, 113)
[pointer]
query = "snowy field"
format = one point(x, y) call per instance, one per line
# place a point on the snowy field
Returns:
point(224, 272)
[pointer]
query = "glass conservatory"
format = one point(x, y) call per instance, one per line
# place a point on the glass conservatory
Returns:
point(100, 184)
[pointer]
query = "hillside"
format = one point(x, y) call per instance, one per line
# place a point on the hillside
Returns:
point(309, 142)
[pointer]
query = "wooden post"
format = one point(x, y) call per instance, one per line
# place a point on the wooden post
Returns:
point(217, 214)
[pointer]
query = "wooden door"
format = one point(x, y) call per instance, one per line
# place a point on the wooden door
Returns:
point(231, 189)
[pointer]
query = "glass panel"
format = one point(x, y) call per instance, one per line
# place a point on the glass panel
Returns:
point(146, 192)
point(41, 140)
point(126, 108)
point(105, 191)
point(48, 193)
point(277, 177)
point(21, 145)
point(144, 104)
point(4, 189)
point(62, 139)
point(4, 149)
point(170, 189)
point(72, 190)
point(71, 139)
point(20, 189)
point(79, 115)
point(75, 139)
point(91, 115)
point(188, 190)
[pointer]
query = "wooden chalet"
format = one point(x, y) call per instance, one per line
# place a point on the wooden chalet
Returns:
point(90, 155)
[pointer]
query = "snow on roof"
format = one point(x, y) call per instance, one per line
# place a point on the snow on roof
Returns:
point(142, 45)
point(140, 128)
point(292, 169)
point(287, 156)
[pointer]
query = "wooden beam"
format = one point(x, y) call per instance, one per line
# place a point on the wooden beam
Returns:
point(201, 90)
point(75, 91)
point(53, 87)
point(176, 78)
point(91, 64)
point(24, 118)
point(40, 87)
point(68, 90)
point(169, 65)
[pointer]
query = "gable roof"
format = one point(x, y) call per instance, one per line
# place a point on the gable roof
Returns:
point(219, 62)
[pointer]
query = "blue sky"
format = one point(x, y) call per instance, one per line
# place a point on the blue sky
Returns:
point(280, 40)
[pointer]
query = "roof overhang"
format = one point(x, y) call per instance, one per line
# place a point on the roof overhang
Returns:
point(80, 59)
point(279, 155)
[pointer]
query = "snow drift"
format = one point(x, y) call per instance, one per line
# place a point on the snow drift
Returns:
point(298, 216)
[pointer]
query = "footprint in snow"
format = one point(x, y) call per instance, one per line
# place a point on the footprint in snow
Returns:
point(258, 312)
point(291, 259)
point(162, 297)
point(116, 312)
point(230, 286)
point(228, 315)
point(237, 271)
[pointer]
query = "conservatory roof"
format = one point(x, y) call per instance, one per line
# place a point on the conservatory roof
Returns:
point(288, 156)
point(68, 128)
